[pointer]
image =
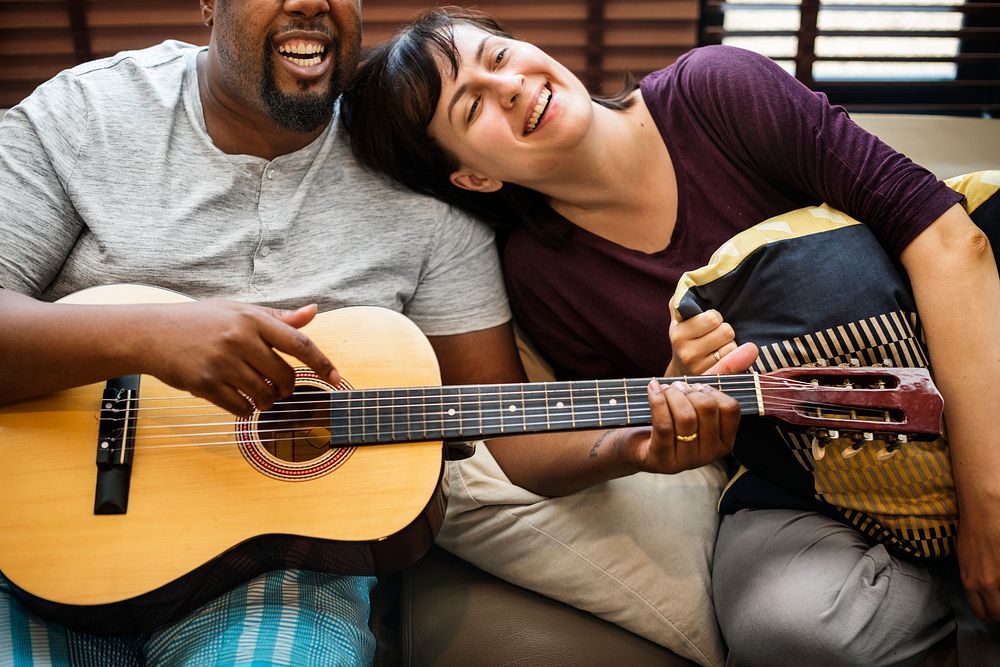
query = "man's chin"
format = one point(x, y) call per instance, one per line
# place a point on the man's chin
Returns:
point(300, 113)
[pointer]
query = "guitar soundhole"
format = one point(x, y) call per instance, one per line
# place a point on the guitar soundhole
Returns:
point(297, 429)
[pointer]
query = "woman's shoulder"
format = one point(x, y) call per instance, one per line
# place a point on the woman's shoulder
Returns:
point(713, 65)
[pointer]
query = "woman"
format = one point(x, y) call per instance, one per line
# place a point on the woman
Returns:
point(609, 201)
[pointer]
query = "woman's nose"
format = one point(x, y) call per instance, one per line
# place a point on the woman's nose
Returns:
point(507, 87)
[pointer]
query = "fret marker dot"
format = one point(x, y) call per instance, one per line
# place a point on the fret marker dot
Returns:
point(613, 401)
point(513, 408)
point(560, 404)
point(451, 412)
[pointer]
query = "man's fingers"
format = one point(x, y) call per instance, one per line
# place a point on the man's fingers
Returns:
point(297, 318)
point(229, 398)
point(286, 338)
point(272, 367)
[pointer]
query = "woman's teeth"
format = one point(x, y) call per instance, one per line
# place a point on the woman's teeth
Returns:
point(540, 106)
point(304, 54)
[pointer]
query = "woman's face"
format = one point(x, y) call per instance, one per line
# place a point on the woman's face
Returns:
point(510, 114)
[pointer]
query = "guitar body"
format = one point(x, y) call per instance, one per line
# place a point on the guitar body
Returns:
point(204, 513)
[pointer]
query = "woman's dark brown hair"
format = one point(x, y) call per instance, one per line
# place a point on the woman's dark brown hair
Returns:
point(388, 108)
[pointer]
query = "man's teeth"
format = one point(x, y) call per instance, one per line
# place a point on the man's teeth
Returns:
point(303, 53)
point(543, 102)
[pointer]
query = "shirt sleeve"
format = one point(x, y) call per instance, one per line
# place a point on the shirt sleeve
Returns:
point(792, 135)
point(461, 288)
point(40, 140)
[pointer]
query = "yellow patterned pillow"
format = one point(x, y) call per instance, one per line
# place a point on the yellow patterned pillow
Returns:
point(814, 286)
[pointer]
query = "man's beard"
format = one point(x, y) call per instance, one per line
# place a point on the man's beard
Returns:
point(299, 112)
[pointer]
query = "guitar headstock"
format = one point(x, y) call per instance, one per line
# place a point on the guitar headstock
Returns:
point(864, 401)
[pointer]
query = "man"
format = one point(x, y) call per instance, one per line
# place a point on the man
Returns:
point(218, 173)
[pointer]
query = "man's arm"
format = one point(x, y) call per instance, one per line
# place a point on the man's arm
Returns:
point(214, 349)
point(957, 290)
point(556, 464)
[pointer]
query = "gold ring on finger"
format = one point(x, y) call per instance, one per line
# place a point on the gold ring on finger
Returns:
point(718, 357)
point(686, 438)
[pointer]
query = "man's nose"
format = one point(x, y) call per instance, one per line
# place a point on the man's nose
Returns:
point(307, 8)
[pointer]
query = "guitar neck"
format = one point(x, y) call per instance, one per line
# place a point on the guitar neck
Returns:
point(471, 412)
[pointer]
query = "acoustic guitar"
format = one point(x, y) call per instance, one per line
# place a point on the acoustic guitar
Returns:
point(127, 503)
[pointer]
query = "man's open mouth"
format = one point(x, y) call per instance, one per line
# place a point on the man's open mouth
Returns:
point(541, 106)
point(302, 52)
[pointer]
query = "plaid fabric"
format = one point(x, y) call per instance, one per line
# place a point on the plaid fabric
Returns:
point(286, 617)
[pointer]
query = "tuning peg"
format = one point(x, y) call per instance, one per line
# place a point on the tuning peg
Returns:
point(858, 441)
point(886, 453)
point(855, 363)
point(821, 439)
point(887, 363)
point(818, 450)
point(892, 447)
point(822, 363)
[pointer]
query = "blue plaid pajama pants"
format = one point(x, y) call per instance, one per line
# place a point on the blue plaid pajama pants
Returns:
point(286, 617)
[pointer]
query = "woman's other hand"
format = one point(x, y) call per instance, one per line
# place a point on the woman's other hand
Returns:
point(699, 342)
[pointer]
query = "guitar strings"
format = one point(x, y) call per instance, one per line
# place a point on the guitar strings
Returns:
point(380, 399)
point(641, 416)
point(745, 381)
point(370, 434)
point(332, 406)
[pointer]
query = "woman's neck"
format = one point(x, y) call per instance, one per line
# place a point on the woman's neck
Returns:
point(621, 183)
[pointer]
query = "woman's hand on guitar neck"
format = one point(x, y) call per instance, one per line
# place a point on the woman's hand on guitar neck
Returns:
point(693, 424)
point(225, 352)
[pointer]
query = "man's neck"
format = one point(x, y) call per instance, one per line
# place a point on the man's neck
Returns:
point(237, 130)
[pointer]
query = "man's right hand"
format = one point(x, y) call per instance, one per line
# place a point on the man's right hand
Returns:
point(225, 352)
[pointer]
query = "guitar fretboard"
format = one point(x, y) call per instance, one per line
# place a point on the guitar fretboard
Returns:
point(383, 416)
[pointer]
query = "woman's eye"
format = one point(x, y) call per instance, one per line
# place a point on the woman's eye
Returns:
point(500, 57)
point(472, 110)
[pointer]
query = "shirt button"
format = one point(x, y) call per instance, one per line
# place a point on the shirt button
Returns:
point(270, 174)
point(265, 251)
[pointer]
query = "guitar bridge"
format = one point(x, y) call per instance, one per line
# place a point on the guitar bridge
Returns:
point(115, 444)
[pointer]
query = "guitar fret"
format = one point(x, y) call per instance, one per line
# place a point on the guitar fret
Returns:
point(584, 408)
point(545, 401)
point(363, 432)
point(614, 403)
point(628, 407)
point(408, 410)
point(536, 409)
point(451, 413)
point(597, 402)
point(524, 410)
point(470, 416)
point(489, 405)
point(339, 418)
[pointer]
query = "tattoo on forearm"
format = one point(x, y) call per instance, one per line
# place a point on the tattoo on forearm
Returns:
point(600, 441)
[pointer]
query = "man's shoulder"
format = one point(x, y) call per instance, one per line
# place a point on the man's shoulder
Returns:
point(158, 70)
point(160, 55)
point(127, 85)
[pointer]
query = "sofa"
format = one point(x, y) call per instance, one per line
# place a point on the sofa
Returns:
point(445, 612)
